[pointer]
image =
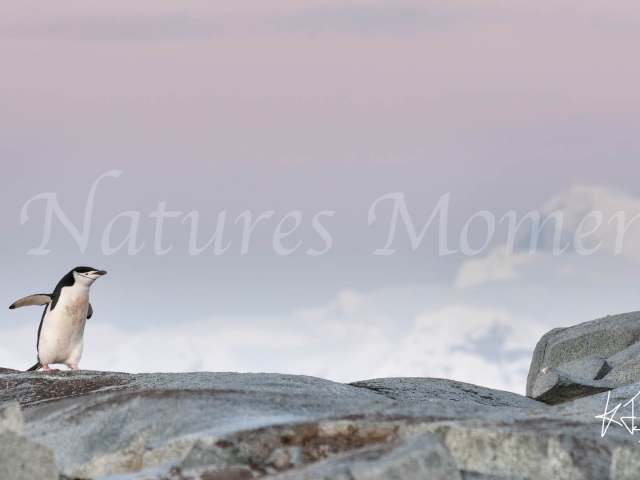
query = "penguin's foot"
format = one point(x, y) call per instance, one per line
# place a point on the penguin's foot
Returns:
point(47, 369)
point(74, 366)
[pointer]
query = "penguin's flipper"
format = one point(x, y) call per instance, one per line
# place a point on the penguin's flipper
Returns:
point(39, 299)
point(90, 314)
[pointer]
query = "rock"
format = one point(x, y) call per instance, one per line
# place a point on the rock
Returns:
point(422, 457)
point(585, 409)
point(625, 464)
point(11, 418)
point(554, 386)
point(229, 426)
point(579, 351)
point(627, 372)
point(83, 428)
point(481, 476)
point(21, 459)
point(8, 370)
point(522, 453)
point(228, 474)
point(170, 451)
point(419, 390)
point(128, 459)
point(593, 367)
point(281, 447)
point(538, 358)
point(624, 356)
point(38, 388)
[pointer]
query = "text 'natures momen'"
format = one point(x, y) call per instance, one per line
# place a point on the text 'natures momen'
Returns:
point(290, 222)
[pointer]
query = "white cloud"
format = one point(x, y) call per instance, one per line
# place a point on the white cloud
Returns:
point(349, 339)
point(192, 346)
point(13, 353)
point(580, 200)
point(484, 346)
point(480, 346)
point(354, 333)
point(496, 266)
point(350, 310)
point(575, 204)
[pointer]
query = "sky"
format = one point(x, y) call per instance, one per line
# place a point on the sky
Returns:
point(226, 112)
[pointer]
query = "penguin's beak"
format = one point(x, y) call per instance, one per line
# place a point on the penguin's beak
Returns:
point(101, 272)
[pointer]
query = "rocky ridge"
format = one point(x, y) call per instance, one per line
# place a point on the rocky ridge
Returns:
point(229, 426)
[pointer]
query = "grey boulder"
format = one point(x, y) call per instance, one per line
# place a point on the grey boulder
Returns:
point(586, 359)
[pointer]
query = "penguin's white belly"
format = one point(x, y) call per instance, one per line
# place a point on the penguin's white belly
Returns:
point(63, 328)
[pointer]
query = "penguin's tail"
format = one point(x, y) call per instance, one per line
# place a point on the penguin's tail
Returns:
point(35, 367)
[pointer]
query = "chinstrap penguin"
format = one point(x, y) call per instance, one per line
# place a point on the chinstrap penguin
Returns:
point(63, 320)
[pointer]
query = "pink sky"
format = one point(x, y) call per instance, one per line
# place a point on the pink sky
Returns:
point(157, 81)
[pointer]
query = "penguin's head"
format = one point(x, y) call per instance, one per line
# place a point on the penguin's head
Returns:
point(87, 275)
